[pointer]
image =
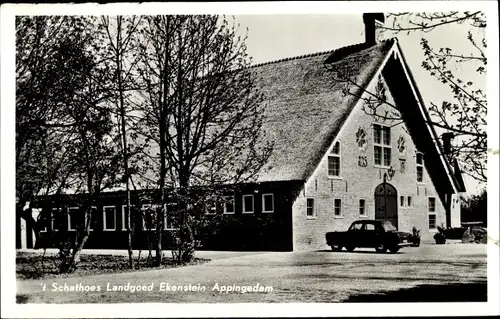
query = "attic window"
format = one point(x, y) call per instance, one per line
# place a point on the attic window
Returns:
point(420, 167)
point(334, 161)
point(380, 90)
point(401, 144)
point(361, 138)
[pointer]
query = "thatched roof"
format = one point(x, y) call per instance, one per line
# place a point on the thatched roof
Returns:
point(305, 105)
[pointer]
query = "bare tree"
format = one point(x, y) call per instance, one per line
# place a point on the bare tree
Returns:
point(63, 123)
point(120, 47)
point(96, 154)
point(47, 76)
point(200, 110)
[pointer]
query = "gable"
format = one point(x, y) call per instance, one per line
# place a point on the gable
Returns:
point(415, 118)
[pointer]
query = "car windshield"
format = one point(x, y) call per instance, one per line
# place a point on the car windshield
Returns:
point(388, 226)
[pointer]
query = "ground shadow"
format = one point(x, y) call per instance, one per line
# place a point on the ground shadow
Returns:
point(456, 292)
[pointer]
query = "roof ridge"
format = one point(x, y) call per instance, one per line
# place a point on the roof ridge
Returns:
point(302, 56)
point(307, 55)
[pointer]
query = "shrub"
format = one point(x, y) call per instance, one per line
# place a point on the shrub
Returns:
point(415, 236)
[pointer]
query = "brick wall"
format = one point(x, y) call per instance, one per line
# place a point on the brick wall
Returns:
point(357, 182)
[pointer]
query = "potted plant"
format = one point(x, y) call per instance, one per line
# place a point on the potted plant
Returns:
point(415, 237)
point(439, 237)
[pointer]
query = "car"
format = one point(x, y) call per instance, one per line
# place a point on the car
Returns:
point(378, 234)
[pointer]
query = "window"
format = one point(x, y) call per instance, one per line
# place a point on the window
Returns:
point(334, 161)
point(361, 138)
point(73, 218)
point(420, 167)
point(310, 211)
point(267, 203)
point(432, 212)
point(356, 226)
point(401, 145)
point(39, 218)
point(402, 201)
point(402, 163)
point(229, 205)
point(247, 204)
point(362, 204)
point(382, 145)
point(56, 218)
point(210, 207)
point(93, 222)
point(432, 204)
point(432, 221)
point(369, 227)
point(149, 216)
point(125, 217)
point(109, 218)
point(166, 224)
point(409, 201)
point(337, 207)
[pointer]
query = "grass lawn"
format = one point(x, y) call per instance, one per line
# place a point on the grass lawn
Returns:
point(37, 266)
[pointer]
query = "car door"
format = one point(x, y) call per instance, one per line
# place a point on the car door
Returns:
point(369, 235)
point(354, 234)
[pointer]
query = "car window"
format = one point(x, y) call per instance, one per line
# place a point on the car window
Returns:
point(356, 226)
point(369, 227)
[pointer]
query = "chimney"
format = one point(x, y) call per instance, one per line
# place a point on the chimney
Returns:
point(447, 137)
point(373, 21)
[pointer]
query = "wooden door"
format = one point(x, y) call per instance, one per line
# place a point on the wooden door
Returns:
point(386, 203)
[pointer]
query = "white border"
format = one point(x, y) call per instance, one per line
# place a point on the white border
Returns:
point(104, 218)
point(53, 219)
point(10, 309)
point(341, 208)
point(69, 217)
point(264, 205)
point(233, 199)
point(123, 217)
point(243, 208)
point(315, 212)
point(365, 215)
point(339, 156)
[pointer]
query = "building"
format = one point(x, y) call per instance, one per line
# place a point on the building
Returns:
point(333, 162)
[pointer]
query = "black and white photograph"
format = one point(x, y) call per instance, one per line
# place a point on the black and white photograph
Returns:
point(270, 159)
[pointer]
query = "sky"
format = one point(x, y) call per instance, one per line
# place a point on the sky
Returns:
point(272, 37)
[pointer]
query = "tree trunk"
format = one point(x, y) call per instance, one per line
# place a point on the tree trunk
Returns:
point(119, 49)
point(160, 215)
point(70, 265)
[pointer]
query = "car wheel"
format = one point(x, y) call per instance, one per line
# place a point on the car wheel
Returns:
point(349, 248)
point(381, 248)
point(336, 247)
point(394, 250)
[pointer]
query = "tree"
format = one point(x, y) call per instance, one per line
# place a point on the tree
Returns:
point(121, 48)
point(63, 121)
point(96, 155)
point(464, 114)
point(48, 75)
point(200, 111)
point(475, 208)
